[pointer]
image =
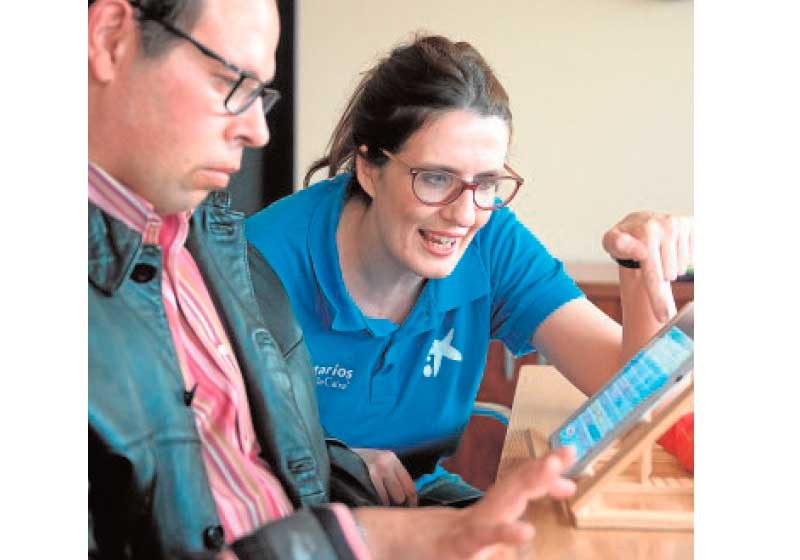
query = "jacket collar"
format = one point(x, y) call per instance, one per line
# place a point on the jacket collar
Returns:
point(114, 248)
point(324, 257)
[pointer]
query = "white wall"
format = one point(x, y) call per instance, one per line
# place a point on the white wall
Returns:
point(601, 93)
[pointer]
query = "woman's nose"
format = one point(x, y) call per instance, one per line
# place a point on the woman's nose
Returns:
point(462, 210)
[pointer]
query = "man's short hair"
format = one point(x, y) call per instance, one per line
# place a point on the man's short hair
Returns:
point(182, 14)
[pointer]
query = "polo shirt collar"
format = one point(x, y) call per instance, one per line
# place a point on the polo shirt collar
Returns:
point(343, 313)
point(468, 282)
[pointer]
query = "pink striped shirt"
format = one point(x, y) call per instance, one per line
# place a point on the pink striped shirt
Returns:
point(246, 492)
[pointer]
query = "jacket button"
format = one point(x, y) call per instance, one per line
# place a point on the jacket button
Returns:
point(214, 537)
point(262, 338)
point(143, 273)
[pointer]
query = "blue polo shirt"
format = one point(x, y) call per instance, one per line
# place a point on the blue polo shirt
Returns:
point(409, 387)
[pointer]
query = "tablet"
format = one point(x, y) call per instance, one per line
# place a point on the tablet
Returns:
point(663, 362)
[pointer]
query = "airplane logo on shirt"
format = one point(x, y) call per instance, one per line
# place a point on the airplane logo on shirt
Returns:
point(440, 349)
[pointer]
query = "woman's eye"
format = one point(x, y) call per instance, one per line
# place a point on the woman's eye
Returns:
point(488, 185)
point(434, 179)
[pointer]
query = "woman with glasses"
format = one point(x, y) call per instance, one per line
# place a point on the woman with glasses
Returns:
point(406, 262)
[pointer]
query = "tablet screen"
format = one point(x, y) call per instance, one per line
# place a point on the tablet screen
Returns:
point(644, 374)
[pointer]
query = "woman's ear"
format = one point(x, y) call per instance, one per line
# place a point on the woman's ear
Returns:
point(366, 172)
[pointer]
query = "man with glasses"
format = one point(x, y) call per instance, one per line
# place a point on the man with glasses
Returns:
point(203, 427)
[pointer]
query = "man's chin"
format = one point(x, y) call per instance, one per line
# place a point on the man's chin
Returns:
point(179, 206)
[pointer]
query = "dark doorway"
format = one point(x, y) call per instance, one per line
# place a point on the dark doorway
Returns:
point(267, 174)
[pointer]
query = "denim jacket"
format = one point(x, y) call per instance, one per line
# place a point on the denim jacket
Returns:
point(149, 495)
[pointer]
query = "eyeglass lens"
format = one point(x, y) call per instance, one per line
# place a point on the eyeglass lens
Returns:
point(246, 91)
point(436, 187)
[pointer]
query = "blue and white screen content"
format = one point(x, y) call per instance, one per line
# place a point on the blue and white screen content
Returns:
point(647, 372)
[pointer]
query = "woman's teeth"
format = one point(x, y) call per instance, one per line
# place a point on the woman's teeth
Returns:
point(441, 241)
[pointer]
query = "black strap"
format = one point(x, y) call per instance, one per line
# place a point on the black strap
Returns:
point(628, 263)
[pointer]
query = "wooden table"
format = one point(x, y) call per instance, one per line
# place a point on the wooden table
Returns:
point(543, 399)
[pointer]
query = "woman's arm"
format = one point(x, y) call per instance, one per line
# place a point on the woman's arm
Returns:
point(582, 341)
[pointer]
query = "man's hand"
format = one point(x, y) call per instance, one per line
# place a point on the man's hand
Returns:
point(391, 479)
point(663, 245)
point(474, 532)
point(496, 519)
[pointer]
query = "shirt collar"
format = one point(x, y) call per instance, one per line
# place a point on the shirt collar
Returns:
point(324, 256)
point(468, 281)
point(120, 202)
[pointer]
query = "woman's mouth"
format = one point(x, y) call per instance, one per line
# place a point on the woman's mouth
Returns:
point(440, 245)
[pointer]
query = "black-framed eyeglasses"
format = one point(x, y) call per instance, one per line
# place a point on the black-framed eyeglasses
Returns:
point(244, 90)
point(434, 187)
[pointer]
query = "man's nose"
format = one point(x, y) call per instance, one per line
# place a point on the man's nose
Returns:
point(253, 129)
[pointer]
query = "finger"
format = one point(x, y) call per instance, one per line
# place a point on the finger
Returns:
point(667, 296)
point(377, 481)
point(622, 245)
point(684, 249)
point(562, 488)
point(567, 455)
point(681, 245)
point(507, 500)
point(669, 248)
point(409, 488)
point(395, 489)
point(552, 482)
point(653, 275)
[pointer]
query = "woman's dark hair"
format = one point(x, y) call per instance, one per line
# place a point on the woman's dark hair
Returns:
point(182, 14)
point(429, 76)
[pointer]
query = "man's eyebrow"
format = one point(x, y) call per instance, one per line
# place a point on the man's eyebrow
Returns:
point(253, 74)
point(234, 67)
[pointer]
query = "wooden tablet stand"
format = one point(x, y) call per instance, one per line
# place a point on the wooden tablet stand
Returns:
point(635, 484)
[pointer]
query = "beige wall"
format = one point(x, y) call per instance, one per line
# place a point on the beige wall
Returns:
point(601, 92)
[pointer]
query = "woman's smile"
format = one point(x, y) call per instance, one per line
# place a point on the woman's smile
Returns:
point(439, 244)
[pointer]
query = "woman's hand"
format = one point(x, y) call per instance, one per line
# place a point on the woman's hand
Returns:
point(663, 245)
point(391, 479)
